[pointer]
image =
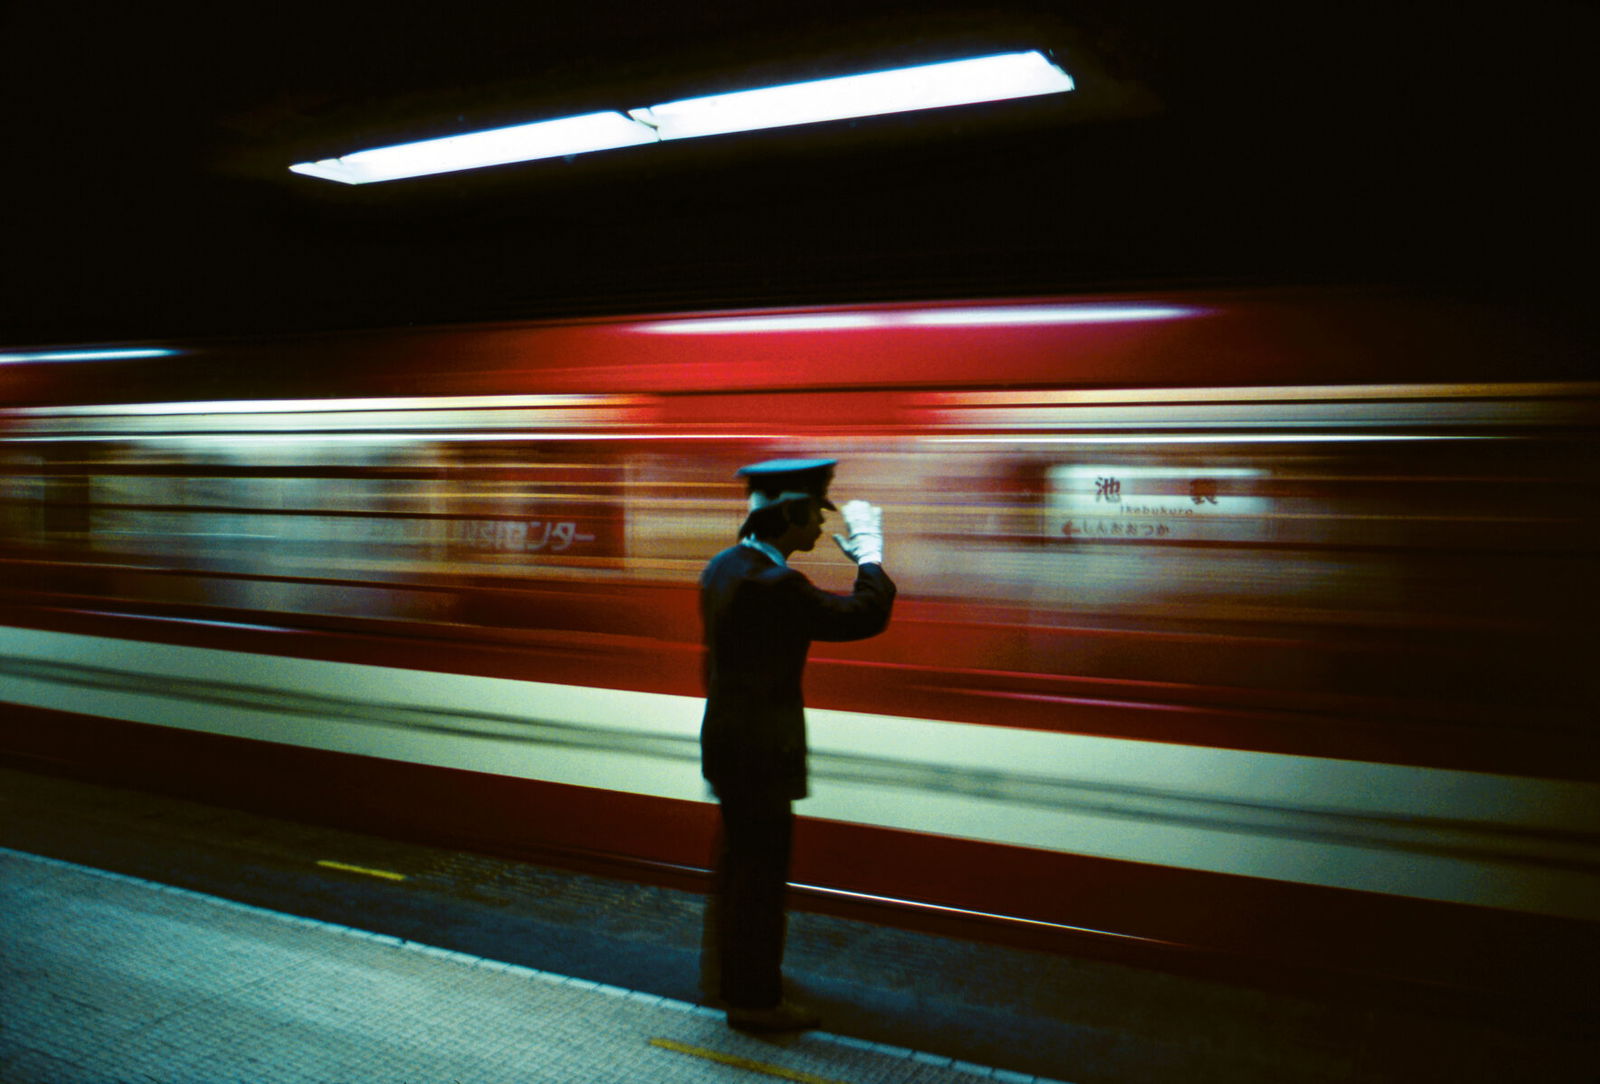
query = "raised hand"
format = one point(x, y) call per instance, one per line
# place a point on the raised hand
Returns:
point(865, 522)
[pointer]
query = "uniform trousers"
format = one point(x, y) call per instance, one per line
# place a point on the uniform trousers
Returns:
point(745, 921)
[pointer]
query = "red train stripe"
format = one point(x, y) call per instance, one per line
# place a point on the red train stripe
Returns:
point(1065, 897)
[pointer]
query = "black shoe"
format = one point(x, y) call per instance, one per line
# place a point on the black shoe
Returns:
point(785, 1016)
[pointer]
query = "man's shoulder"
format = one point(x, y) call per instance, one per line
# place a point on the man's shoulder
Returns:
point(745, 564)
point(732, 553)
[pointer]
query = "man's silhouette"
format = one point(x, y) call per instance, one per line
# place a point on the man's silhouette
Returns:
point(760, 617)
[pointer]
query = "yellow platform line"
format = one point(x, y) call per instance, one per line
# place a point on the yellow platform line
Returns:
point(743, 1063)
point(347, 868)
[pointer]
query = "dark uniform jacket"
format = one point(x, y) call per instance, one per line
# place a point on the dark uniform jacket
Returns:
point(760, 619)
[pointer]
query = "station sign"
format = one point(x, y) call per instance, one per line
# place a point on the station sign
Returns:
point(1156, 504)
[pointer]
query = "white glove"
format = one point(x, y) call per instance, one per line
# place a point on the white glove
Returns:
point(865, 544)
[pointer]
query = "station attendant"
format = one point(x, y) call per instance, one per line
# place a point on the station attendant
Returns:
point(760, 617)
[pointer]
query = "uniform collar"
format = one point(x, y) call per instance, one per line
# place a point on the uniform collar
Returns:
point(771, 551)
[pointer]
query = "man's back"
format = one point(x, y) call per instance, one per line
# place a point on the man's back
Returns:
point(759, 620)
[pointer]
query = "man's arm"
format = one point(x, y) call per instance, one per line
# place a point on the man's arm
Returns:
point(862, 613)
point(865, 611)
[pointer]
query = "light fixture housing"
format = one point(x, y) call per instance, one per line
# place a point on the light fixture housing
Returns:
point(899, 90)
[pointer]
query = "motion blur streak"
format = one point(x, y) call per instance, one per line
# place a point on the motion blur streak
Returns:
point(1015, 316)
point(1261, 629)
point(87, 355)
point(307, 406)
point(1230, 438)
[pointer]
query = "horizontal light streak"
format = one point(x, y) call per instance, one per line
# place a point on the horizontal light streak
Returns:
point(130, 615)
point(89, 355)
point(1048, 314)
point(1294, 393)
point(751, 324)
point(1109, 417)
point(1341, 416)
point(285, 406)
point(928, 86)
point(1209, 438)
point(246, 438)
point(323, 419)
point(1126, 471)
point(978, 316)
point(958, 403)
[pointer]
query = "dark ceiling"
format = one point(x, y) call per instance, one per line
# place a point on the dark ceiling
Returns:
point(147, 194)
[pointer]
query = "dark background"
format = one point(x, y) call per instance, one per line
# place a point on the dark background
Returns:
point(146, 194)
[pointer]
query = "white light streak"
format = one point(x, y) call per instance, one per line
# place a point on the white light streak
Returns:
point(88, 355)
point(977, 316)
point(297, 406)
point(746, 325)
point(241, 440)
point(1027, 315)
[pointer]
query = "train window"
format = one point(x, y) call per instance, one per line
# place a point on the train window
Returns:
point(522, 507)
point(1380, 529)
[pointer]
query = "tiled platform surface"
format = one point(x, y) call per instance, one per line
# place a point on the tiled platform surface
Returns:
point(107, 977)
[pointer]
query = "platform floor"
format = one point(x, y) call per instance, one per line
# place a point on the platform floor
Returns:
point(110, 978)
point(145, 937)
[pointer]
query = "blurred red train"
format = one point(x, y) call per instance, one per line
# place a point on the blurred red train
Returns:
point(1255, 622)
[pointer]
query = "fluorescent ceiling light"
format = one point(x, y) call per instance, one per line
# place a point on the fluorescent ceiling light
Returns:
point(983, 316)
point(900, 90)
point(474, 150)
point(927, 86)
point(87, 355)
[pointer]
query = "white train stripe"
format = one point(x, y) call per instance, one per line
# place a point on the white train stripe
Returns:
point(1526, 844)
